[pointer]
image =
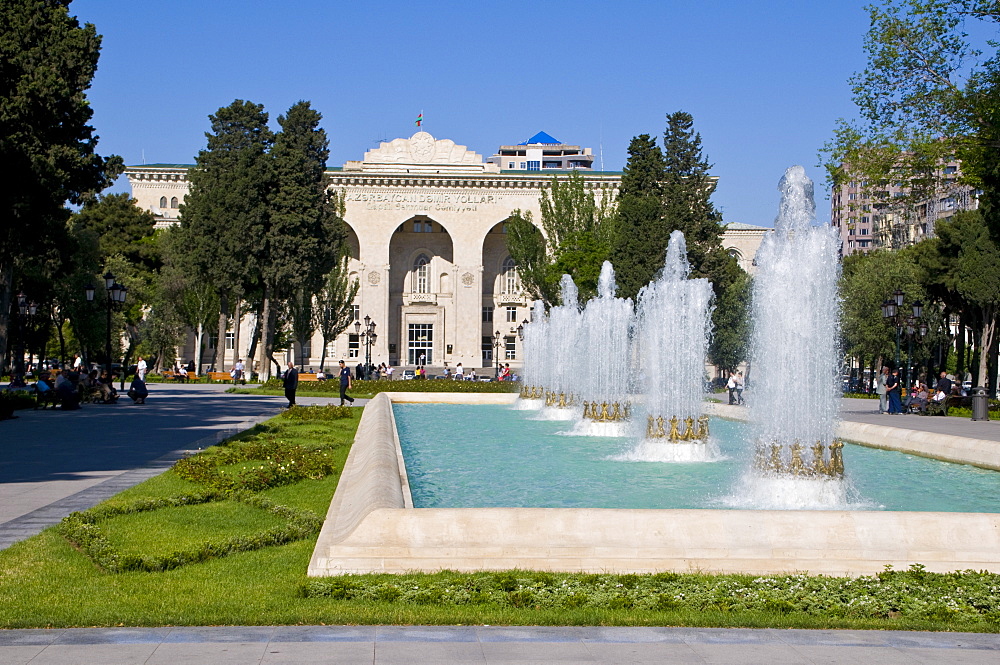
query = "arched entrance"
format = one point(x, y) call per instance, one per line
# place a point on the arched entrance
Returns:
point(421, 294)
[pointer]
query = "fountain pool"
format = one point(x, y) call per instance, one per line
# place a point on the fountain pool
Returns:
point(513, 461)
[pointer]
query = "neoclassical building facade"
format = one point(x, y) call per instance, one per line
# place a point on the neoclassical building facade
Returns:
point(426, 231)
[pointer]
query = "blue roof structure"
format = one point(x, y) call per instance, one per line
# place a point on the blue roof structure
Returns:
point(541, 137)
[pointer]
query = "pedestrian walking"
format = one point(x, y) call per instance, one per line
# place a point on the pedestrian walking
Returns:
point(345, 383)
point(291, 383)
point(140, 369)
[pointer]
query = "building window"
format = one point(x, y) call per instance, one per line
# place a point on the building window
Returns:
point(951, 169)
point(356, 312)
point(420, 343)
point(353, 346)
point(421, 274)
point(510, 165)
point(487, 351)
point(524, 165)
point(422, 226)
point(488, 314)
point(512, 315)
point(173, 202)
point(510, 348)
point(163, 202)
point(230, 340)
point(509, 276)
point(213, 339)
point(534, 165)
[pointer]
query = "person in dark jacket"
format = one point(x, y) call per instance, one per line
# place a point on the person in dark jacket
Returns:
point(291, 383)
point(345, 384)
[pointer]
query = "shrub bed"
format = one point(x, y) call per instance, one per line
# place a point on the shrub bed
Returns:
point(915, 593)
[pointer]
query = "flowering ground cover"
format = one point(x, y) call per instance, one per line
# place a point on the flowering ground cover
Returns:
point(225, 537)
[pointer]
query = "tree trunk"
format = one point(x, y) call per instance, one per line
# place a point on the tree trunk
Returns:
point(6, 289)
point(219, 357)
point(59, 321)
point(198, 340)
point(986, 340)
point(254, 338)
point(237, 315)
point(266, 336)
point(962, 365)
point(322, 356)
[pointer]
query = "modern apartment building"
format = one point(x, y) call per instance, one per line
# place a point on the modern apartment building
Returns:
point(890, 218)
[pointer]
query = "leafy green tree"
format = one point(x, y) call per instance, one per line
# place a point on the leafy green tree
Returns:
point(642, 236)
point(226, 215)
point(728, 347)
point(529, 250)
point(578, 226)
point(965, 240)
point(333, 311)
point(866, 281)
point(47, 62)
point(926, 96)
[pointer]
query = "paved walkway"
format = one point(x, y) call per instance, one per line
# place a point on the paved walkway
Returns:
point(52, 463)
point(866, 411)
point(419, 645)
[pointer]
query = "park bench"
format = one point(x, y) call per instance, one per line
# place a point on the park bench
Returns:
point(941, 408)
point(174, 376)
point(219, 376)
point(43, 399)
point(308, 377)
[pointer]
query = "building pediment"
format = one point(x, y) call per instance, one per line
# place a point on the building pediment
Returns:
point(421, 153)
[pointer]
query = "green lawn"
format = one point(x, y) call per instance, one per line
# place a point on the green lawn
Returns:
point(48, 582)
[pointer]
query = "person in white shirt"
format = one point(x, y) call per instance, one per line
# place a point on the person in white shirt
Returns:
point(77, 363)
point(459, 373)
point(140, 369)
point(388, 372)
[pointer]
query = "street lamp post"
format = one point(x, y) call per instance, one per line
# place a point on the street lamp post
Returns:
point(892, 311)
point(26, 310)
point(368, 337)
point(115, 297)
point(496, 350)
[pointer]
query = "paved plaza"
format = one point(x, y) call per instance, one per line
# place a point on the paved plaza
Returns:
point(419, 645)
point(54, 463)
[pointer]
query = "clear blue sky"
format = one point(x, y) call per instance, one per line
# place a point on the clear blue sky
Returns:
point(764, 81)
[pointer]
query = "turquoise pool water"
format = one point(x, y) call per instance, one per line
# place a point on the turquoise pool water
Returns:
point(460, 456)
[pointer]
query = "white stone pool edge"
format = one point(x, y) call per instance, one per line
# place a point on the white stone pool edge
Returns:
point(372, 527)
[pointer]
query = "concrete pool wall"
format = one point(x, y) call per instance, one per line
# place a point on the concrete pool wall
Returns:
point(372, 527)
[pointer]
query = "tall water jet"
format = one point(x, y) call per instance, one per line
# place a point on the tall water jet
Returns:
point(536, 371)
point(604, 342)
point(566, 363)
point(794, 351)
point(672, 332)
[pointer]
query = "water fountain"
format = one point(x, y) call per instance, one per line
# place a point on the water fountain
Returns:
point(672, 332)
point(794, 407)
point(604, 341)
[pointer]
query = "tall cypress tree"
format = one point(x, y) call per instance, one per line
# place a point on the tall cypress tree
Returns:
point(306, 232)
point(687, 192)
point(641, 236)
point(227, 212)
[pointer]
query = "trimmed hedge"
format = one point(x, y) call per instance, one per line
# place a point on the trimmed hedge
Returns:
point(410, 386)
point(83, 529)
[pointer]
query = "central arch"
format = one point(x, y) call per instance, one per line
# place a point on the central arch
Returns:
point(421, 293)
